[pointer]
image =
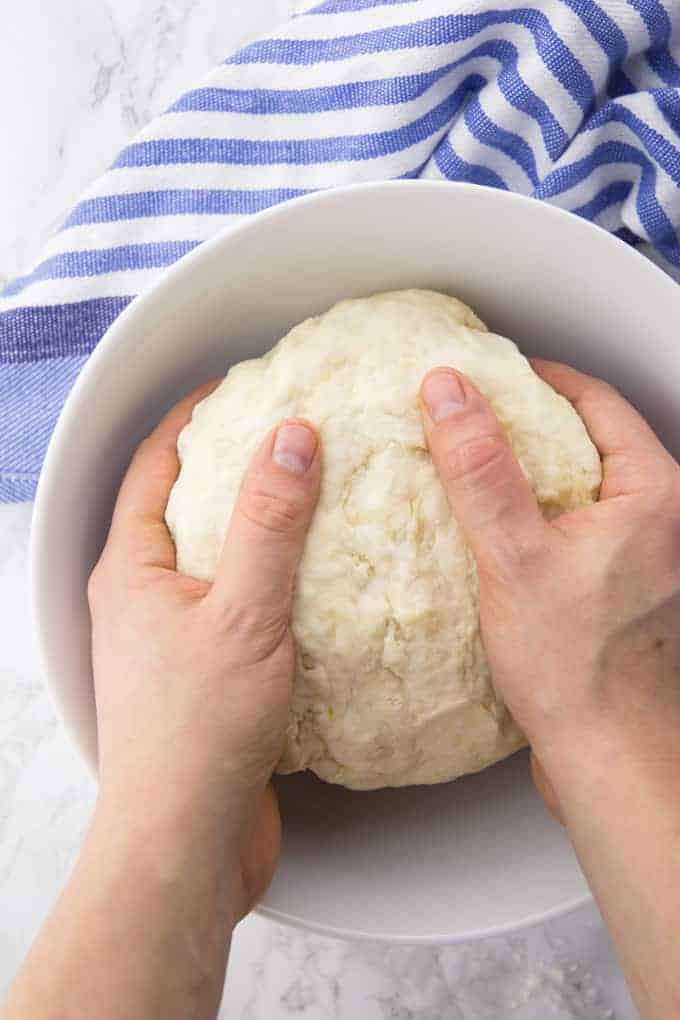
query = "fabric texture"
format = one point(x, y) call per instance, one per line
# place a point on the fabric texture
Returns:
point(569, 101)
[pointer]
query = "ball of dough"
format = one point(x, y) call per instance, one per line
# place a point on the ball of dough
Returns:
point(392, 685)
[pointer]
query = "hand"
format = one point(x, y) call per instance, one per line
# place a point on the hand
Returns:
point(193, 681)
point(580, 620)
point(580, 617)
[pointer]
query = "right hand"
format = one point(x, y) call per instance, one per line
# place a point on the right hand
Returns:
point(580, 616)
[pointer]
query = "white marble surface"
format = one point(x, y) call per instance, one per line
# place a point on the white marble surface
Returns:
point(77, 78)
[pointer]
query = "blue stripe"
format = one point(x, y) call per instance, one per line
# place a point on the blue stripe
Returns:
point(346, 96)
point(668, 104)
point(455, 168)
point(177, 202)
point(603, 29)
point(612, 194)
point(658, 24)
point(518, 94)
point(99, 261)
point(385, 92)
point(306, 151)
point(659, 148)
point(665, 66)
point(658, 227)
point(17, 490)
point(444, 30)
point(31, 396)
point(565, 177)
point(40, 332)
point(486, 131)
point(655, 18)
point(410, 175)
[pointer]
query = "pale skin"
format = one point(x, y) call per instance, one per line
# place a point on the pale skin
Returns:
point(580, 621)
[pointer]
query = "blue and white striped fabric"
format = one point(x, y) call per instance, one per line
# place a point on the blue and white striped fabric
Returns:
point(575, 102)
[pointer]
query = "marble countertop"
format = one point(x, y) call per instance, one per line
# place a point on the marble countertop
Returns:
point(77, 78)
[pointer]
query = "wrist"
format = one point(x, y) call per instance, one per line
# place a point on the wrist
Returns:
point(174, 852)
point(604, 762)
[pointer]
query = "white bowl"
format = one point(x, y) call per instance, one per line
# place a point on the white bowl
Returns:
point(438, 864)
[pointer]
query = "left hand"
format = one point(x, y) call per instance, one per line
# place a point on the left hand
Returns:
point(193, 680)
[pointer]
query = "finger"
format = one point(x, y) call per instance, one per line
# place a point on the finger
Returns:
point(486, 489)
point(269, 524)
point(631, 453)
point(138, 525)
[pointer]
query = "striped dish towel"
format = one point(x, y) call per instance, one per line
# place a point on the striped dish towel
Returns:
point(575, 102)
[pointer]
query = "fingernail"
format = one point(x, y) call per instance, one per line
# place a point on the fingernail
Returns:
point(443, 395)
point(294, 448)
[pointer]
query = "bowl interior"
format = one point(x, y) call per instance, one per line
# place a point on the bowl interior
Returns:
point(441, 863)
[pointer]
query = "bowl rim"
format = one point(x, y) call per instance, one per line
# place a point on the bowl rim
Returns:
point(48, 481)
point(434, 939)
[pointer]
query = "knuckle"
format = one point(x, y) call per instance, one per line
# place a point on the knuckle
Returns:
point(476, 460)
point(520, 559)
point(277, 512)
point(255, 625)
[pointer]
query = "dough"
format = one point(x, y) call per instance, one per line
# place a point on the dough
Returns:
point(392, 685)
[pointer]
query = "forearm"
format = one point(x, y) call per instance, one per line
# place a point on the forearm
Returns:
point(620, 797)
point(142, 929)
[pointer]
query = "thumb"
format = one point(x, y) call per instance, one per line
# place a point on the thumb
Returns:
point(269, 525)
point(486, 489)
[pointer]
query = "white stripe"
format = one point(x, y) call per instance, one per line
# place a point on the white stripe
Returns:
point(57, 292)
point(146, 230)
point(431, 171)
point(371, 67)
point(370, 19)
point(631, 24)
point(642, 75)
point(616, 216)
